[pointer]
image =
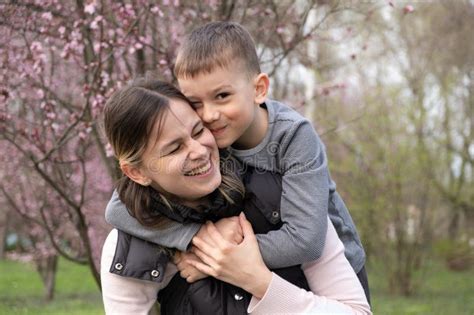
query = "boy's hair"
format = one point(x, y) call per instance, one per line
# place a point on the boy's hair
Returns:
point(216, 44)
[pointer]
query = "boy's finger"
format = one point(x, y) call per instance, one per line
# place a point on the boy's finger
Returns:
point(215, 235)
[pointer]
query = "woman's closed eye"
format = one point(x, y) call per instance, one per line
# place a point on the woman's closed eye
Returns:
point(198, 133)
point(174, 149)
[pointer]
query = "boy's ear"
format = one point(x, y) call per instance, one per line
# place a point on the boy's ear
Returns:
point(135, 174)
point(261, 83)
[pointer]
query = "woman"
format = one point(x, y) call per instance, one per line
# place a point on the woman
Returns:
point(172, 172)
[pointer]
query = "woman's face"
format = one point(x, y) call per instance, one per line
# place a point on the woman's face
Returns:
point(182, 161)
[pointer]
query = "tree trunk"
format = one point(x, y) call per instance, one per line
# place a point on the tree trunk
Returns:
point(50, 277)
point(454, 226)
point(47, 268)
point(3, 231)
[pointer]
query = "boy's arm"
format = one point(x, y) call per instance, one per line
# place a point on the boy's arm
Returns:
point(174, 235)
point(304, 200)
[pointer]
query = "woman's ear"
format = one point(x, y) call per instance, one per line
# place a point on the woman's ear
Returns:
point(261, 83)
point(135, 174)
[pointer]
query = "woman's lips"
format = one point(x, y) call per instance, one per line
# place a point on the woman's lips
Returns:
point(206, 173)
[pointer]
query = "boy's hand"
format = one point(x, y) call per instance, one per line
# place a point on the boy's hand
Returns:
point(186, 269)
point(229, 228)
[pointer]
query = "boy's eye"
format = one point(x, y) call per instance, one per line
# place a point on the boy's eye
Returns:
point(196, 105)
point(222, 95)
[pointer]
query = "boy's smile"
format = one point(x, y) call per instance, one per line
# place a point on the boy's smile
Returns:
point(227, 101)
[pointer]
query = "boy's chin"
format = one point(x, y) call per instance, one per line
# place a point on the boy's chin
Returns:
point(224, 143)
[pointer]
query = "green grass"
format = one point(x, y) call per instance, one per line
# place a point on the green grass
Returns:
point(442, 292)
point(21, 291)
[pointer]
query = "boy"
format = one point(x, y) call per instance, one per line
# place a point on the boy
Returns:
point(218, 70)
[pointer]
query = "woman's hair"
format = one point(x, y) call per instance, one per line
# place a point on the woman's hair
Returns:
point(129, 117)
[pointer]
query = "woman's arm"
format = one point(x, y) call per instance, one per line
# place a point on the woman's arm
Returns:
point(122, 295)
point(334, 285)
point(336, 289)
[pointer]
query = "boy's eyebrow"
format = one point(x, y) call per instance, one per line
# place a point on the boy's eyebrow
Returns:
point(220, 87)
point(213, 91)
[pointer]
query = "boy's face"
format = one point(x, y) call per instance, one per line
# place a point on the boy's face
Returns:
point(226, 101)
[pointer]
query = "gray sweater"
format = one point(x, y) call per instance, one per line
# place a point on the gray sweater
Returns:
point(291, 148)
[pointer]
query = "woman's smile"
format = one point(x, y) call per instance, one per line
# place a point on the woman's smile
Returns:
point(201, 171)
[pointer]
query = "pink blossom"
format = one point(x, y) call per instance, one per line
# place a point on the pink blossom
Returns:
point(408, 9)
point(97, 47)
point(108, 150)
point(36, 46)
point(89, 8)
point(47, 16)
point(40, 93)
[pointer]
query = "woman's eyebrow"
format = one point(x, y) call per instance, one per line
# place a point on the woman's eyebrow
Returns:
point(178, 139)
point(171, 142)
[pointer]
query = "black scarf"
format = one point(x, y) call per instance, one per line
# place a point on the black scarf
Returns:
point(219, 208)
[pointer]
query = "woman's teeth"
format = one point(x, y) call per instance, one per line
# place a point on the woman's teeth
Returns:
point(199, 171)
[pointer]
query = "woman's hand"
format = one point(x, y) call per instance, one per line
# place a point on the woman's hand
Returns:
point(230, 230)
point(186, 269)
point(238, 264)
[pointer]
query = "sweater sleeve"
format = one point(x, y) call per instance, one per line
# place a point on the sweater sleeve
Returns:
point(304, 201)
point(334, 284)
point(174, 235)
point(127, 296)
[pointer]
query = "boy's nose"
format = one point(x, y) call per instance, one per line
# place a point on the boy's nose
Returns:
point(209, 114)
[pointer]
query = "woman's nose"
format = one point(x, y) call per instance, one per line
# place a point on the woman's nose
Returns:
point(197, 150)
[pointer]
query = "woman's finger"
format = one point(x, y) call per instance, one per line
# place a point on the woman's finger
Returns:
point(202, 267)
point(205, 258)
point(209, 249)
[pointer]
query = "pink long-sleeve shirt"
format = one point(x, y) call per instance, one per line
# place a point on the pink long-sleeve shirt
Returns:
point(335, 288)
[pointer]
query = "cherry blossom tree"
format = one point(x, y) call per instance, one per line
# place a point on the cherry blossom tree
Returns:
point(60, 60)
